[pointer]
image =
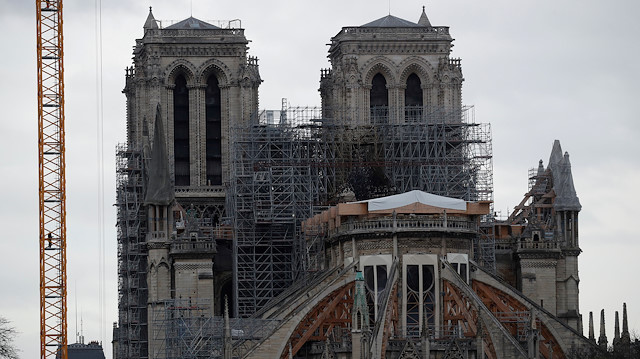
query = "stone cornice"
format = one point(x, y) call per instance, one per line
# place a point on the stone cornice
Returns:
point(222, 50)
point(193, 266)
point(539, 264)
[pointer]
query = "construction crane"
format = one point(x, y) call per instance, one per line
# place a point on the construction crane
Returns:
point(52, 193)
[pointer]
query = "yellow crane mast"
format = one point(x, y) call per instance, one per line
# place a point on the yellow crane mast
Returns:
point(52, 193)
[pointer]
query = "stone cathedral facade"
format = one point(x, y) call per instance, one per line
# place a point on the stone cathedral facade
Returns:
point(397, 253)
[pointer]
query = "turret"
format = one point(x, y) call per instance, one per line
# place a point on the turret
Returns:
point(150, 23)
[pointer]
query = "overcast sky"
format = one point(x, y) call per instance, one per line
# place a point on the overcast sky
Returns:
point(536, 70)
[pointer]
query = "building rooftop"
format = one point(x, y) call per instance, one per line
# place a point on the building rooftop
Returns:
point(192, 23)
point(390, 21)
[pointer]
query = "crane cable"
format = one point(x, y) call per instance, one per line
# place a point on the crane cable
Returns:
point(100, 162)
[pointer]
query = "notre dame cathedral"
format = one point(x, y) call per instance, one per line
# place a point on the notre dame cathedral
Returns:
point(360, 229)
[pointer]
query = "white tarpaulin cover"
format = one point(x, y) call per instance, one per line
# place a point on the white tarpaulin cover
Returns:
point(404, 199)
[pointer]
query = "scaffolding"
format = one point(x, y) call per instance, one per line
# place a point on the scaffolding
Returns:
point(132, 285)
point(189, 331)
point(285, 172)
point(274, 186)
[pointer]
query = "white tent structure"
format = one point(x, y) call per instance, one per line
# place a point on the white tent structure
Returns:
point(411, 197)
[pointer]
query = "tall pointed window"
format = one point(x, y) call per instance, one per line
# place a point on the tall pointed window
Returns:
point(420, 298)
point(214, 132)
point(181, 132)
point(379, 100)
point(413, 99)
point(375, 278)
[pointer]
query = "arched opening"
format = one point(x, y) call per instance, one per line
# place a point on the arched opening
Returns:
point(181, 132)
point(379, 100)
point(213, 111)
point(413, 99)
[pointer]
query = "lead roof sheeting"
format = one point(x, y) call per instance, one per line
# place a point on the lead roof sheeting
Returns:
point(390, 21)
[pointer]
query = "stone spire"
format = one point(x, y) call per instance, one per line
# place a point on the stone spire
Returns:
point(625, 336)
point(616, 330)
point(150, 23)
point(424, 20)
point(360, 308)
point(159, 187)
point(359, 320)
point(566, 197)
point(228, 348)
point(592, 336)
point(625, 323)
point(624, 347)
point(602, 340)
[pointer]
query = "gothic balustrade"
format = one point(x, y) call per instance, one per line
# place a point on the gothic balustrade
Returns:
point(434, 30)
point(200, 191)
point(433, 224)
point(159, 236)
point(538, 245)
point(196, 247)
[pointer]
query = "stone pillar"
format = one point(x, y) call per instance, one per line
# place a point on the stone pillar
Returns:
point(533, 336)
point(479, 340)
point(228, 347)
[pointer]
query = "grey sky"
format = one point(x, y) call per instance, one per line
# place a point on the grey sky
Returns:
point(536, 70)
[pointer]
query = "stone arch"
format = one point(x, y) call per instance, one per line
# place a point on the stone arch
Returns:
point(217, 68)
point(180, 67)
point(163, 263)
point(338, 303)
point(505, 300)
point(380, 65)
point(416, 65)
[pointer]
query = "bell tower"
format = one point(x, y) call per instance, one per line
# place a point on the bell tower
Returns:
point(191, 83)
point(392, 71)
point(206, 84)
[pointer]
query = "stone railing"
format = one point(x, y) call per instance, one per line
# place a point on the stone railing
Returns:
point(428, 224)
point(185, 247)
point(195, 32)
point(539, 245)
point(200, 191)
point(436, 30)
point(156, 236)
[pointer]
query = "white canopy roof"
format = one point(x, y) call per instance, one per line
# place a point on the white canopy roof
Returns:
point(407, 198)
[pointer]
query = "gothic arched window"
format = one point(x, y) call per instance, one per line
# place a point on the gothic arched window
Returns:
point(214, 131)
point(181, 132)
point(379, 100)
point(413, 99)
